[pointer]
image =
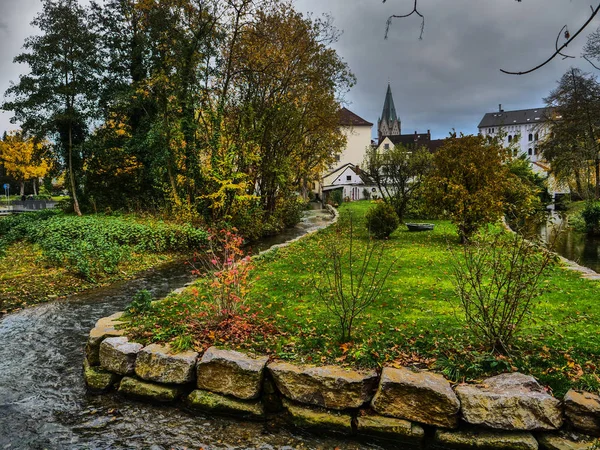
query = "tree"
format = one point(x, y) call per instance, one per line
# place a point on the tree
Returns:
point(468, 182)
point(399, 174)
point(22, 158)
point(572, 146)
point(58, 96)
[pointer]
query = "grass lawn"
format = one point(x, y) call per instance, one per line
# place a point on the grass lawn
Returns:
point(416, 321)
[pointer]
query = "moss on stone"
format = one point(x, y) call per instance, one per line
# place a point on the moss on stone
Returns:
point(318, 418)
point(209, 401)
point(146, 390)
point(97, 379)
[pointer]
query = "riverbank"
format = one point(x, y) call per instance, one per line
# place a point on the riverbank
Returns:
point(415, 322)
point(48, 255)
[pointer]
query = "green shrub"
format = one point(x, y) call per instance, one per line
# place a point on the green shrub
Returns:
point(382, 220)
point(337, 197)
point(93, 245)
point(142, 302)
point(591, 216)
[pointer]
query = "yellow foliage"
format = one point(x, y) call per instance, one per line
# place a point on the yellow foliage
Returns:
point(22, 158)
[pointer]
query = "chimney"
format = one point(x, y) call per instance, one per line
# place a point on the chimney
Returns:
point(500, 107)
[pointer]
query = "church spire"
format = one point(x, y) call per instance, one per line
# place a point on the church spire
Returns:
point(389, 123)
point(389, 111)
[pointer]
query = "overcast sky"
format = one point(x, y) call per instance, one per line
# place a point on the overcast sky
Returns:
point(447, 80)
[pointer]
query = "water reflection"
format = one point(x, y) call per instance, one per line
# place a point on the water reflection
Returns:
point(572, 244)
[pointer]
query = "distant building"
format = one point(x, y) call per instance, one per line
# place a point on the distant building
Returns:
point(525, 129)
point(358, 135)
point(389, 129)
point(352, 183)
point(389, 123)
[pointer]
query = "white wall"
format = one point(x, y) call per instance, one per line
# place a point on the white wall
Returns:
point(358, 139)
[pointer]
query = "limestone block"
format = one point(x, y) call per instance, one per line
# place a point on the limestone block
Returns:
point(305, 417)
point(399, 430)
point(209, 401)
point(564, 440)
point(484, 440)
point(97, 379)
point(118, 355)
point(145, 390)
point(510, 402)
point(423, 397)
point(230, 373)
point(583, 411)
point(158, 363)
point(105, 327)
point(329, 386)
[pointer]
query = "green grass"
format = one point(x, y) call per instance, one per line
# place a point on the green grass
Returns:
point(416, 321)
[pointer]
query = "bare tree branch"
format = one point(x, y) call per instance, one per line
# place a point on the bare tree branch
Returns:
point(414, 11)
point(558, 50)
point(566, 34)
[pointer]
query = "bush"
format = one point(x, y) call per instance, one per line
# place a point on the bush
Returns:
point(591, 216)
point(337, 197)
point(352, 275)
point(141, 303)
point(382, 220)
point(497, 278)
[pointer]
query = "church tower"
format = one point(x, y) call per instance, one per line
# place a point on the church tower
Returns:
point(389, 123)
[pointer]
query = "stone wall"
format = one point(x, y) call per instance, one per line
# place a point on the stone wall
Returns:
point(409, 409)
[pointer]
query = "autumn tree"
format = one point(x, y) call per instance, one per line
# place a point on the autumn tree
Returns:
point(23, 159)
point(572, 146)
point(56, 97)
point(468, 182)
point(399, 173)
point(288, 79)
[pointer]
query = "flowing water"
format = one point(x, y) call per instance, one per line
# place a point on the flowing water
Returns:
point(44, 403)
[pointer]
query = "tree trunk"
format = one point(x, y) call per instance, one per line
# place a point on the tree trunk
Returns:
point(22, 186)
point(597, 190)
point(71, 175)
point(34, 183)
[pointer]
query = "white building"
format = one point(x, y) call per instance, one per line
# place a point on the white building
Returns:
point(358, 135)
point(352, 182)
point(525, 129)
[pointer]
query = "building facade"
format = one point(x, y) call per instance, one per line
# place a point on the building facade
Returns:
point(524, 129)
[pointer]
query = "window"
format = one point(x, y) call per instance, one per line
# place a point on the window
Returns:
point(537, 151)
point(530, 139)
point(348, 177)
point(386, 146)
point(509, 138)
point(515, 152)
point(536, 136)
point(529, 151)
point(337, 157)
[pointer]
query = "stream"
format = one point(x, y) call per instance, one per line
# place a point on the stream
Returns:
point(44, 403)
point(571, 244)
